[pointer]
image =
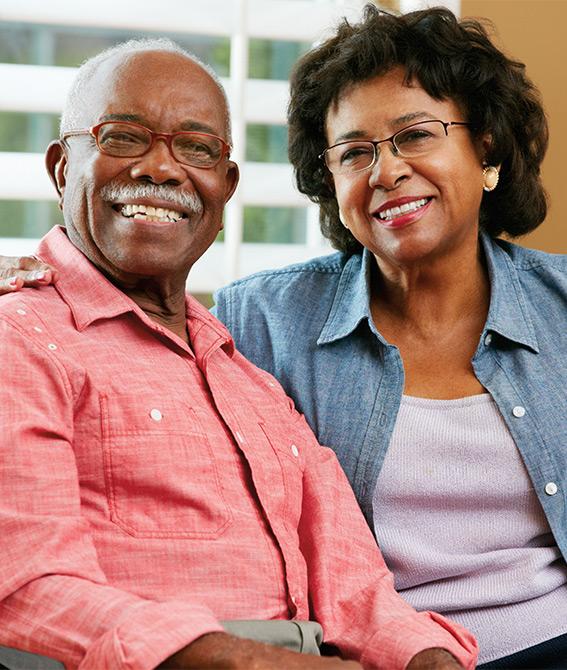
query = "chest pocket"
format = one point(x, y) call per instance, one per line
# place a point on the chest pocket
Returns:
point(160, 472)
point(288, 444)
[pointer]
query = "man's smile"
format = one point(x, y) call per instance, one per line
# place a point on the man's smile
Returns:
point(149, 213)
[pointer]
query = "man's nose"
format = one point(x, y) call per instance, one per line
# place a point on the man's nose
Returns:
point(389, 168)
point(159, 166)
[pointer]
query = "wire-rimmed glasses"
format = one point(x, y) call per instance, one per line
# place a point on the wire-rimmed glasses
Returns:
point(415, 140)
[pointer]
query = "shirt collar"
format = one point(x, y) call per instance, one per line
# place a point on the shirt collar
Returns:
point(351, 304)
point(91, 296)
point(88, 293)
point(206, 332)
point(508, 314)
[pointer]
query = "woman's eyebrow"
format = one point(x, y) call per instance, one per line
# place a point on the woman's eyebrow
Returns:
point(405, 119)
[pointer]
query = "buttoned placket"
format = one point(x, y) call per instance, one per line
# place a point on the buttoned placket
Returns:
point(264, 469)
point(543, 472)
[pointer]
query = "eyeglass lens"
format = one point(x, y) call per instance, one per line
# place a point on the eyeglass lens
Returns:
point(415, 140)
point(121, 139)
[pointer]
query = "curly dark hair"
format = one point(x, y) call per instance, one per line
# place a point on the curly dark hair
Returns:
point(450, 59)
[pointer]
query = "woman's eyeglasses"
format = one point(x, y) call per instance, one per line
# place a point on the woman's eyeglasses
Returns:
point(409, 142)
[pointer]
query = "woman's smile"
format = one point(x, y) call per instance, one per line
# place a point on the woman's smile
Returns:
point(440, 189)
point(401, 212)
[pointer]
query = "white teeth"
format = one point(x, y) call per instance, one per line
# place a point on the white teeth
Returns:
point(151, 213)
point(402, 209)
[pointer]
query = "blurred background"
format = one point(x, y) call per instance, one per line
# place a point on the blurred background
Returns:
point(252, 45)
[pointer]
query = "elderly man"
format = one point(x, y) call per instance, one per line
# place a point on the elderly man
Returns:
point(154, 482)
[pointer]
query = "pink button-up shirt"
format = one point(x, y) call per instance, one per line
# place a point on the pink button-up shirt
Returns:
point(149, 489)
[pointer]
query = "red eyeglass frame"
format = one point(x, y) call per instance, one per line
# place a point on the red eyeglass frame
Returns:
point(93, 131)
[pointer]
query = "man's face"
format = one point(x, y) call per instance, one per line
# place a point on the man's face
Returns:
point(166, 93)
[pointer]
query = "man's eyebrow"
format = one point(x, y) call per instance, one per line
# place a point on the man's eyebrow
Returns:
point(397, 123)
point(199, 127)
point(122, 117)
point(196, 126)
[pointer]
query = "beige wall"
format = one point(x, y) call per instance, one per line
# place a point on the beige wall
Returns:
point(533, 31)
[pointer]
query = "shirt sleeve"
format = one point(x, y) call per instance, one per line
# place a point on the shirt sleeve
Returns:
point(351, 590)
point(54, 596)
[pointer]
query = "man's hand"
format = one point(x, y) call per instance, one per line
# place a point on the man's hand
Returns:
point(434, 659)
point(221, 651)
point(16, 273)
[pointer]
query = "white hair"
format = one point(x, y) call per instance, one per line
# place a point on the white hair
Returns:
point(74, 109)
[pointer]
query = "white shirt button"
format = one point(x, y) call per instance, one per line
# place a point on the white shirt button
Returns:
point(37, 329)
point(21, 311)
point(519, 411)
point(52, 346)
point(156, 415)
point(294, 450)
point(551, 488)
point(488, 339)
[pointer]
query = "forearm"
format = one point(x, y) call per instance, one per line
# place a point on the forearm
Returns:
point(220, 651)
point(434, 659)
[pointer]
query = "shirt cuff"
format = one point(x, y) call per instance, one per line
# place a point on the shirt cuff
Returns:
point(393, 647)
point(149, 634)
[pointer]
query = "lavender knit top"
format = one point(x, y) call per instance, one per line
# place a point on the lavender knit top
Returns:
point(461, 527)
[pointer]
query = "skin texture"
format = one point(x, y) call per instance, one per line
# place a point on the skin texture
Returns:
point(148, 261)
point(430, 293)
point(220, 651)
point(15, 273)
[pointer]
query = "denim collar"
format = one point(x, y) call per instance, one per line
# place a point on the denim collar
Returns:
point(351, 303)
point(508, 314)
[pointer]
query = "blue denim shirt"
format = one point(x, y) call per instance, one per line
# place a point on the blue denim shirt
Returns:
point(310, 326)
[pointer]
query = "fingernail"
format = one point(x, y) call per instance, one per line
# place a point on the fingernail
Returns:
point(13, 281)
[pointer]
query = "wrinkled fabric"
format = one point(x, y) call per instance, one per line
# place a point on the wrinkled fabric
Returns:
point(309, 325)
point(150, 489)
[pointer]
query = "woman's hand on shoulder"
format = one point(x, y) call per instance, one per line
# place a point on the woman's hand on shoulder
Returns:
point(15, 273)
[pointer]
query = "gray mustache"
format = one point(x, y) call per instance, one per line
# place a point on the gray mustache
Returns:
point(190, 203)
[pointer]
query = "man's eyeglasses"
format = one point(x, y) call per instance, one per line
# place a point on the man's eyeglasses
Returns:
point(125, 139)
point(412, 141)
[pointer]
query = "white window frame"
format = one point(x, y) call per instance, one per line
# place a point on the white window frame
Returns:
point(42, 89)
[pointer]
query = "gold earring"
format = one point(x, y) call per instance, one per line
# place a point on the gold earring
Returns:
point(490, 175)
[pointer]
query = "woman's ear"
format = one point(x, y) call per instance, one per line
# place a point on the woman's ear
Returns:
point(56, 164)
point(484, 144)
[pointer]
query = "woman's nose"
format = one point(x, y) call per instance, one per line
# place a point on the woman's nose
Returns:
point(389, 168)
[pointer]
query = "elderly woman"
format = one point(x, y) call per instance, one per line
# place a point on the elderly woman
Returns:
point(428, 353)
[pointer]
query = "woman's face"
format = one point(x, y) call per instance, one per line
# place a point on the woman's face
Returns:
point(441, 190)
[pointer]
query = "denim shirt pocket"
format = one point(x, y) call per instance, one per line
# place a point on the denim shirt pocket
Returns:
point(161, 477)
